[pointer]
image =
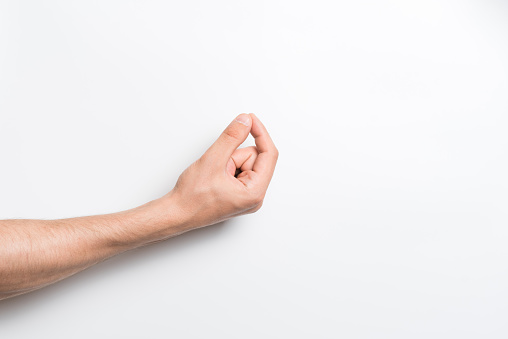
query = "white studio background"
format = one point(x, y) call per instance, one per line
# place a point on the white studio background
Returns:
point(387, 215)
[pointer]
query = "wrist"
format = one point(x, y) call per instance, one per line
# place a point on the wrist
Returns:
point(154, 221)
point(173, 216)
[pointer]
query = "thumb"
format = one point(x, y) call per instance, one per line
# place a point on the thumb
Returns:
point(232, 137)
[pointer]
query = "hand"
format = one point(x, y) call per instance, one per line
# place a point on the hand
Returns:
point(226, 181)
point(223, 183)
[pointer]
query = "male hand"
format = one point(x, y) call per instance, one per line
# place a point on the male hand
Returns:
point(227, 181)
point(223, 183)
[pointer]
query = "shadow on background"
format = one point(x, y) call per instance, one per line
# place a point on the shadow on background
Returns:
point(11, 307)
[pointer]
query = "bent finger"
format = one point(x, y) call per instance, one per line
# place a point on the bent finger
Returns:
point(242, 160)
point(229, 140)
point(268, 153)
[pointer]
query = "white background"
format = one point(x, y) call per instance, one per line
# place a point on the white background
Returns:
point(387, 215)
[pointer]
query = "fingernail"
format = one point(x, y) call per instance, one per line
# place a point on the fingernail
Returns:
point(244, 119)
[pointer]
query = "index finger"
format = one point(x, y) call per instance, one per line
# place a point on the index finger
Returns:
point(268, 153)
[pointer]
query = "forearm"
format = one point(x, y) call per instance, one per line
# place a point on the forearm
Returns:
point(225, 182)
point(35, 253)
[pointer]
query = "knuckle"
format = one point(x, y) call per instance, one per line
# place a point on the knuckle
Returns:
point(257, 199)
point(230, 133)
point(201, 160)
point(257, 208)
point(253, 150)
point(204, 159)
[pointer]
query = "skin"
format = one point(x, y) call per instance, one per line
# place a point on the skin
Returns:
point(225, 182)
